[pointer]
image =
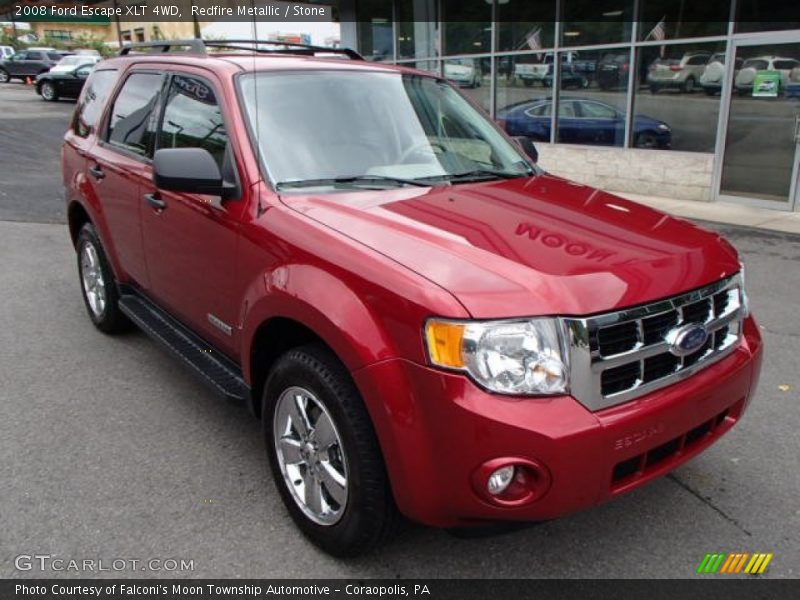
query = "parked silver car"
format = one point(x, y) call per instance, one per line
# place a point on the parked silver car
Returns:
point(681, 73)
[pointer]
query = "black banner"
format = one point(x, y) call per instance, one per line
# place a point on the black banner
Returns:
point(435, 589)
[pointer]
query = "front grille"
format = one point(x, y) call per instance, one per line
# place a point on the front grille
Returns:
point(618, 356)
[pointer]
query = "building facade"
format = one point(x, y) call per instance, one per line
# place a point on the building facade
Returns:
point(674, 98)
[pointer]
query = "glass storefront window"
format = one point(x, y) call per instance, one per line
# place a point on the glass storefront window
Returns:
point(593, 103)
point(522, 106)
point(677, 96)
point(668, 19)
point(760, 155)
point(467, 26)
point(417, 28)
point(473, 75)
point(596, 22)
point(758, 15)
point(525, 25)
point(375, 30)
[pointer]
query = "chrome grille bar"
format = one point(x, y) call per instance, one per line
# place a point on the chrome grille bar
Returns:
point(600, 379)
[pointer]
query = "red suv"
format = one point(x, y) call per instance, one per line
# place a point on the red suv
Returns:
point(426, 322)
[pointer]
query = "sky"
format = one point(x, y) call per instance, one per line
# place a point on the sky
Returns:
point(244, 30)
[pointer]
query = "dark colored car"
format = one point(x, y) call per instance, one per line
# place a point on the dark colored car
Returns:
point(53, 85)
point(425, 321)
point(583, 121)
point(613, 70)
point(28, 63)
point(570, 78)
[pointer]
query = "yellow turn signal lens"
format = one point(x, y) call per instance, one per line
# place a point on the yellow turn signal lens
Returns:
point(444, 343)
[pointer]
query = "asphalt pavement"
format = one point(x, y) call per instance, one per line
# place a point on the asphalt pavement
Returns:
point(110, 450)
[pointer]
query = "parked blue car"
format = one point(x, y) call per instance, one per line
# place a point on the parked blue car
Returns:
point(583, 121)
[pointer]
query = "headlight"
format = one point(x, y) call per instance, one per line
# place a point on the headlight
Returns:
point(520, 357)
point(663, 126)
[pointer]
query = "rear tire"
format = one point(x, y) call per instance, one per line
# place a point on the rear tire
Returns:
point(98, 285)
point(334, 484)
point(4, 76)
point(688, 85)
point(654, 89)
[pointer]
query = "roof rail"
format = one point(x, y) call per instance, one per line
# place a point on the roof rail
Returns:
point(200, 47)
point(194, 46)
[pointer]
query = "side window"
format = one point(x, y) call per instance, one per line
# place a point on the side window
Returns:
point(595, 110)
point(131, 124)
point(566, 109)
point(54, 56)
point(192, 118)
point(35, 56)
point(95, 94)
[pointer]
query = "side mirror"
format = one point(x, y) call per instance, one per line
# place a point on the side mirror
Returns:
point(528, 147)
point(191, 171)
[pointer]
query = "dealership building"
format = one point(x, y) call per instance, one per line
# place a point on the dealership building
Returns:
point(675, 98)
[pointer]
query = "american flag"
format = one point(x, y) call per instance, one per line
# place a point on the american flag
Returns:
point(659, 32)
point(534, 39)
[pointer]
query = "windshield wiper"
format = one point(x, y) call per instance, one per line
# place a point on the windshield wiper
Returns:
point(354, 179)
point(484, 174)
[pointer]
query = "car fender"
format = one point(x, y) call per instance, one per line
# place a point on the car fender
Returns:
point(322, 303)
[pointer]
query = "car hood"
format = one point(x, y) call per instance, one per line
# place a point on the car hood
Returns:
point(529, 246)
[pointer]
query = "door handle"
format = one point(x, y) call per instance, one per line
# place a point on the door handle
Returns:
point(154, 201)
point(97, 172)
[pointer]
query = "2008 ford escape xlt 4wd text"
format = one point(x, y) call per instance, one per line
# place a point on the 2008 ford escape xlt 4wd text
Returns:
point(426, 323)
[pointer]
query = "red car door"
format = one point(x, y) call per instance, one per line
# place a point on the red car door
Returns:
point(190, 240)
point(119, 164)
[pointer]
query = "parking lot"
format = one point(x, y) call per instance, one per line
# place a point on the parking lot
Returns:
point(109, 449)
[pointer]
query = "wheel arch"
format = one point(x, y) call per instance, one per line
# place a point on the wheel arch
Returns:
point(77, 217)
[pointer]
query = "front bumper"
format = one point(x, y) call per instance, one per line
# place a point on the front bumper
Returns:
point(436, 429)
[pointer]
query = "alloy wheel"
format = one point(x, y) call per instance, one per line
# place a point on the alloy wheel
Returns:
point(48, 92)
point(4, 77)
point(311, 456)
point(94, 285)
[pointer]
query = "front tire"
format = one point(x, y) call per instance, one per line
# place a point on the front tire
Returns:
point(98, 285)
point(4, 76)
point(324, 454)
point(48, 92)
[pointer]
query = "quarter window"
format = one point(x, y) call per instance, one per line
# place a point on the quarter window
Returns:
point(192, 118)
point(131, 126)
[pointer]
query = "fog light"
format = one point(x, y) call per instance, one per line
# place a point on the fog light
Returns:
point(500, 480)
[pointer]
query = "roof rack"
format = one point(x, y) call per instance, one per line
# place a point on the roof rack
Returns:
point(200, 47)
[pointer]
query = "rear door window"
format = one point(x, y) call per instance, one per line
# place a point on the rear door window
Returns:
point(131, 126)
point(31, 55)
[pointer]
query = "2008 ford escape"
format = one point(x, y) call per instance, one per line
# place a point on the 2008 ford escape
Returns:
point(426, 322)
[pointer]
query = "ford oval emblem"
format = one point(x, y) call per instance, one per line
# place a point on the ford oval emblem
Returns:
point(686, 339)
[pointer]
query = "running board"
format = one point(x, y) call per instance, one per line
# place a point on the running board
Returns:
point(216, 370)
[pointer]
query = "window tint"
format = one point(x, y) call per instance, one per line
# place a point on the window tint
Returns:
point(35, 56)
point(595, 110)
point(567, 110)
point(192, 118)
point(92, 102)
point(131, 124)
point(543, 110)
point(786, 64)
point(54, 56)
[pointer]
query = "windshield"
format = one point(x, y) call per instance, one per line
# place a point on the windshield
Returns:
point(326, 125)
